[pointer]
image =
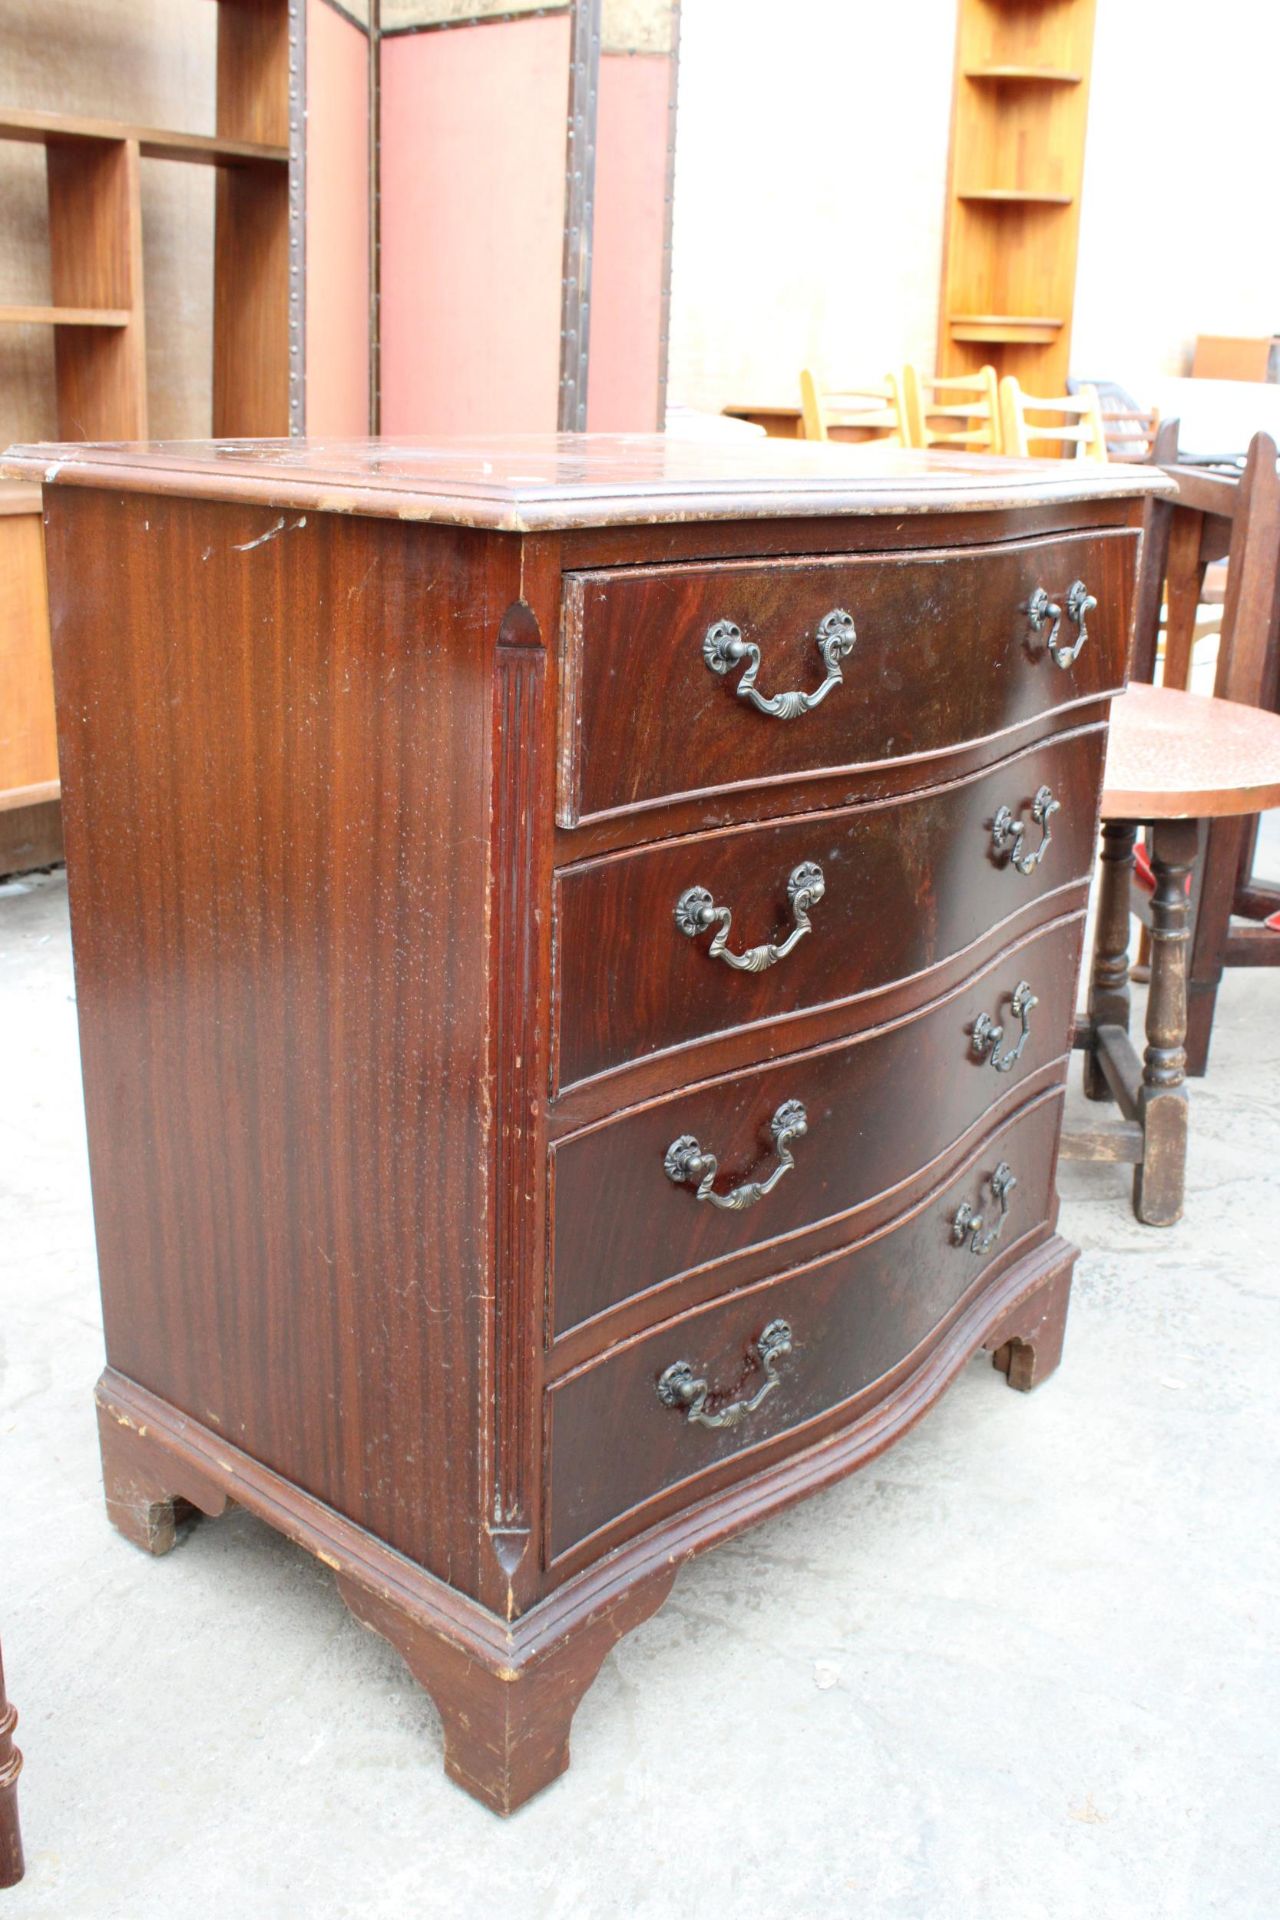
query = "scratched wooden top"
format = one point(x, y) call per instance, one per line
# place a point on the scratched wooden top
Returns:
point(526, 483)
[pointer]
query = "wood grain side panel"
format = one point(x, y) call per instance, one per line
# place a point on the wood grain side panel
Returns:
point(945, 654)
point(908, 883)
point(618, 1455)
point(275, 734)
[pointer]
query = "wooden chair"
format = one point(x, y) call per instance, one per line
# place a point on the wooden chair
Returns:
point(1176, 762)
point(1241, 519)
point(1078, 430)
point(876, 412)
point(11, 1862)
point(961, 411)
point(1130, 432)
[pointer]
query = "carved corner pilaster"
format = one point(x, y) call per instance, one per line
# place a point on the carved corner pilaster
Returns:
point(523, 785)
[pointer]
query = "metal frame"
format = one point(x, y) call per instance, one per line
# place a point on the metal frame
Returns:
point(473, 20)
point(375, 216)
point(579, 209)
point(297, 217)
point(664, 323)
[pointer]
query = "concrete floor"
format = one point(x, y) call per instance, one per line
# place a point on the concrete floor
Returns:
point(1022, 1668)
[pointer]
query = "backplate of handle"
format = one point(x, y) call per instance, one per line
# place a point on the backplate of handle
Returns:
point(679, 1386)
point(696, 912)
point(688, 1165)
point(1080, 604)
point(1008, 834)
point(724, 647)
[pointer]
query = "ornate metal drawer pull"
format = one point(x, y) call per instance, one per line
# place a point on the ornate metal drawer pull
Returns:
point(988, 1037)
point(724, 648)
point(967, 1224)
point(696, 912)
point(686, 1163)
point(679, 1387)
point(1080, 603)
point(1006, 832)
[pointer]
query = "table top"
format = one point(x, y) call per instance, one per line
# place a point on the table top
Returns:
point(1186, 756)
point(526, 483)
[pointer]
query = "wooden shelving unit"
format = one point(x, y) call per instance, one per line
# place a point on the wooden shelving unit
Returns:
point(95, 243)
point(97, 313)
point(1013, 190)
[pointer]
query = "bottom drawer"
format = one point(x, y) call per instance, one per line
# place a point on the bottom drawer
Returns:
point(621, 1435)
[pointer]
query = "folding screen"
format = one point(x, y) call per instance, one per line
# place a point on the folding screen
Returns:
point(523, 207)
point(337, 289)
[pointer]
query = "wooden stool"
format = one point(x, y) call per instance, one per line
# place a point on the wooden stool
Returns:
point(1174, 762)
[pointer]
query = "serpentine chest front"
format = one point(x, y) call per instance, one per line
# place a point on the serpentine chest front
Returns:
point(576, 946)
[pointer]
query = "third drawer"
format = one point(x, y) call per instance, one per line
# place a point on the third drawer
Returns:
point(876, 1108)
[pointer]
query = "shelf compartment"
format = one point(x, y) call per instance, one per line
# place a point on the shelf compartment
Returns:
point(1014, 329)
point(154, 143)
point(65, 316)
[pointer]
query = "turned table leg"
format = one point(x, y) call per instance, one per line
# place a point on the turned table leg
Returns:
point(11, 1862)
point(1109, 975)
point(1159, 1178)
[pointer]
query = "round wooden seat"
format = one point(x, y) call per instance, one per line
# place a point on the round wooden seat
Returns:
point(1185, 756)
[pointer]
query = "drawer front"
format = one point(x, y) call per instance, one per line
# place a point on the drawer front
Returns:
point(907, 883)
point(875, 1110)
point(620, 1431)
point(945, 651)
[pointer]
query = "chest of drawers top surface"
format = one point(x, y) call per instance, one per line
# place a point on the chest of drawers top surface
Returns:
point(524, 483)
point(575, 943)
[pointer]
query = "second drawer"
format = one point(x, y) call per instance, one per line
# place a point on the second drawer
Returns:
point(905, 884)
point(875, 1109)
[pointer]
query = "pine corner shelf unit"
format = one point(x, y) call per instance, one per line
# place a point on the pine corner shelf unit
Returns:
point(1013, 190)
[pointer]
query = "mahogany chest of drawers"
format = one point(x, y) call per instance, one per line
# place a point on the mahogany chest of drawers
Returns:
point(575, 945)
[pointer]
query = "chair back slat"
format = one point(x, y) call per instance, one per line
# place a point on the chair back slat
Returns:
point(1021, 431)
point(928, 418)
point(875, 409)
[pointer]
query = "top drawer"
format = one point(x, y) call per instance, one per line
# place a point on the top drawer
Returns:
point(861, 659)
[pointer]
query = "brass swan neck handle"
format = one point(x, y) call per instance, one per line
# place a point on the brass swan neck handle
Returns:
point(687, 1165)
point(724, 648)
point(679, 1386)
point(696, 912)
